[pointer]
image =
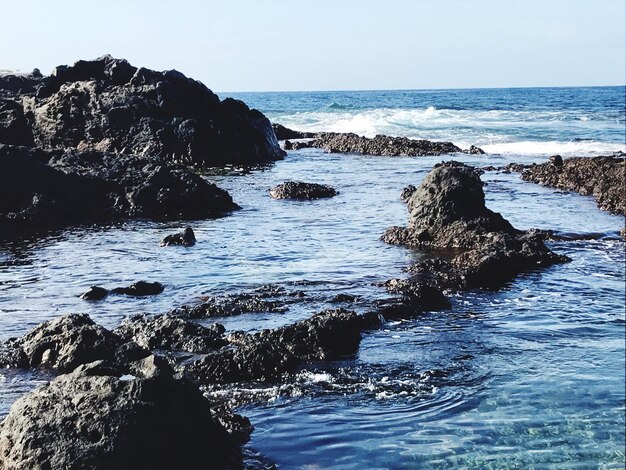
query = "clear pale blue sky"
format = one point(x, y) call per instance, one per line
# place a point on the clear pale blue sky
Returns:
point(330, 45)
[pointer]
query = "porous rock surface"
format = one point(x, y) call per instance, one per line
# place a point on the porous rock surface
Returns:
point(301, 190)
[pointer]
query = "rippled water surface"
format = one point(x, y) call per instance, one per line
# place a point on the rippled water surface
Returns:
point(531, 376)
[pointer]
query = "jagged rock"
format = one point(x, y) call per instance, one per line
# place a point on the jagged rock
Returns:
point(112, 106)
point(289, 145)
point(283, 133)
point(14, 128)
point(171, 333)
point(93, 419)
point(380, 145)
point(344, 298)
point(420, 294)
point(186, 238)
point(40, 189)
point(556, 160)
point(473, 150)
point(140, 288)
point(267, 355)
point(602, 177)
point(301, 190)
point(407, 193)
point(448, 212)
point(67, 342)
point(95, 293)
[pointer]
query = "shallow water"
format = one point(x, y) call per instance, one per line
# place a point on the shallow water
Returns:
point(529, 376)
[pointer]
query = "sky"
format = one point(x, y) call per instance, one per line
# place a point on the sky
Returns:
point(281, 45)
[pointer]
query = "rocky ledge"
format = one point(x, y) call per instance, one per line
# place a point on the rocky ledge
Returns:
point(302, 191)
point(601, 177)
point(473, 246)
point(41, 189)
point(111, 106)
point(384, 145)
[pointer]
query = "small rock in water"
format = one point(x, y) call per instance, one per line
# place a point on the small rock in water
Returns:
point(301, 190)
point(140, 288)
point(186, 238)
point(556, 160)
point(95, 293)
point(473, 150)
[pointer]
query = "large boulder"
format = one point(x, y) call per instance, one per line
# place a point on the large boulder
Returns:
point(41, 188)
point(302, 191)
point(66, 342)
point(602, 177)
point(110, 105)
point(96, 418)
point(478, 246)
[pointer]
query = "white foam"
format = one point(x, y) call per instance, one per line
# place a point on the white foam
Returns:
point(554, 147)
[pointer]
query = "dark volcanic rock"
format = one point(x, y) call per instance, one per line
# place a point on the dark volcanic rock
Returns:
point(14, 129)
point(473, 150)
point(380, 145)
point(95, 293)
point(171, 333)
point(602, 177)
point(41, 189)
point(283, 133)
point(186, 238)
point(448, 213)
point(289, 145)
point(109, 105)
point(266, 355)
point(66, 342)
point(139, 289)
point(407, 193)
point(300, 190)
point(93, 419)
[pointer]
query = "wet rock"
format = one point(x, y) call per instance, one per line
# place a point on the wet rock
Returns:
point(169, 332)
point(514, 168)
point(473, 150)
point(283, 133)
point(448, 213)
point(186, 238)
point(140, 288)
point(42, 189)
point(95, 293)
point(556, 160)
point(302, 191)
point(622, 232)
point(421, 295)
point(14, 128)
point(110, 105)
point(229, 306)
point(95, 418)
point(344, 298)
point(67, 342)
point(601, 177)
point(407, 193)
point(289, 145)
point(380, 145)
point(267, 355)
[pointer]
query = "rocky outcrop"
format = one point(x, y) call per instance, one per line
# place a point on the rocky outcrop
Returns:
point(66, 342)
point(109, 105)
point(267, 355)
point(168, 332)
point(140, 289)
point(382, 145)
point(283, 133)
point(185, 238)
point(601, 177)
point(97, 418)
point(479, 247)
point(302, 191)
point(40, 189)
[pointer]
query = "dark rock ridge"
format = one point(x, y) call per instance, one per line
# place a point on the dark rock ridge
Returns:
point(94, 418)
point(383, 145)
point(112, 106)
point(267, 355)
point(169, 332)
point(301, 190)
point(185, 238)
point(283, 133)
point(478, 246)
point(601, 177)
point(136, 289)
point(40, 189)
point(67, 342)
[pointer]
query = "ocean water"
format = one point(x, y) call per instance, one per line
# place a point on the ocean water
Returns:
point(529, 376)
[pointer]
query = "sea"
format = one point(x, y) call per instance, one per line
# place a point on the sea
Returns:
point(529, 376)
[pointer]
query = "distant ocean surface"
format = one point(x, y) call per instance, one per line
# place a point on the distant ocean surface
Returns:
point(522, 121)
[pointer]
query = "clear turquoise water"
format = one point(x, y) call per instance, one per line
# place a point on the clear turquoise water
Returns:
point(531, 376)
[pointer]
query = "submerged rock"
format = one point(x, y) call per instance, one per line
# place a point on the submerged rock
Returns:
point(95, 418)
point(40, 189)
point(380, 145)
point(186, 238)
point(301, 190)
point(140, 288)
point(171, 333)
point(601, 177)
point(95, 293)
point(448, 213)
point(289, 145)
point(110, 105)
point(283, 133)
point(67, 342)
